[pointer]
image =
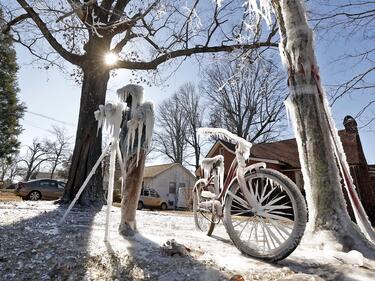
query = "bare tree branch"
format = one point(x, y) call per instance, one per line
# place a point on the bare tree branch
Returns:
point(153, 64)
point(14, 21)
point(73, 58)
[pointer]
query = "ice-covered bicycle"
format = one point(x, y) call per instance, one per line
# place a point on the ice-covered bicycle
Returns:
point(263, 211)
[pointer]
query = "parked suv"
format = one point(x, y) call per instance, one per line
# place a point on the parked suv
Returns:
point(151, 199)
point(40, 189)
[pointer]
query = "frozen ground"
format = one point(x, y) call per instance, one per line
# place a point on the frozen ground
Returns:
point(33, 247)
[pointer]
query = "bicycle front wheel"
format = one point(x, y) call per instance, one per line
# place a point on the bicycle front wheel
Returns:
point(204, 219)
point(273, 228)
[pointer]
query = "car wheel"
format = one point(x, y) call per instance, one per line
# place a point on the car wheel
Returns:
point(163, 206)
point(34, 196)
point(140, 205)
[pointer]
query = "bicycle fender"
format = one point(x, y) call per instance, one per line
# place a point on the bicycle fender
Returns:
point(248, 169)
point(255, 166)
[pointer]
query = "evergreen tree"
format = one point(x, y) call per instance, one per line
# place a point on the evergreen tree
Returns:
point(11, 110)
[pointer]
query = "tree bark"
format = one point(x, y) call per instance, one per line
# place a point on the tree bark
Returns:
point(88, 141)
point(327, 208)
point(129, 202)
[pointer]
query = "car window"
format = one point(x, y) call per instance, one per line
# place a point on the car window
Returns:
point(44, 183)
point(61, 184)
point(52, 183)
point(146, 193)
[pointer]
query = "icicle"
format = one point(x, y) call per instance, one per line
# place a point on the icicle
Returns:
point(261, 8)
point(140, 130)
point(132, 127)
point(208, 165)
point(221, 173)
point(149, 120)
point(136, 93)
point(127, 146)
point(143, 116)
point(100, 117)
point(110, 116)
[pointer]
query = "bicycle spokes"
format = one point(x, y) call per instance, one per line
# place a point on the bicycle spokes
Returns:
point(267, 225)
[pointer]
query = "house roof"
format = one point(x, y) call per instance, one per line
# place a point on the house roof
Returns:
point(286, 151)
point(153, 171)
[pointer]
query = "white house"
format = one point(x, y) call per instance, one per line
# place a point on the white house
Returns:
point(173, 182)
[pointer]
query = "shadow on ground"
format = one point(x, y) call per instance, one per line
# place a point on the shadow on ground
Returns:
point(328, 271)
point(34, 247)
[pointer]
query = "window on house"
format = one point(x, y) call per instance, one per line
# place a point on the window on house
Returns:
point(172, 187)
point(221, 151)
point(181, 184)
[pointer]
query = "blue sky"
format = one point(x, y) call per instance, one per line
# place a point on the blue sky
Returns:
point(51, 93)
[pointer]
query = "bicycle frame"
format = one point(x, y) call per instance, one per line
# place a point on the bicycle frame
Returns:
point(231, 177)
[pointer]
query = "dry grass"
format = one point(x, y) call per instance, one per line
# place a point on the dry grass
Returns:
point(8, 195)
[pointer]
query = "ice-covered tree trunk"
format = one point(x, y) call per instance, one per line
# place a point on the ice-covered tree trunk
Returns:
point(129, 202)
point(327, 209)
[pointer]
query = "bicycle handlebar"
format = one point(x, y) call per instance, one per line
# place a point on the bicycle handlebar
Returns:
point(223, 133)
point(243, 145)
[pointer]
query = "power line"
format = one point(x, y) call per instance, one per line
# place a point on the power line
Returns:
point(40, 128)
point(51, 118)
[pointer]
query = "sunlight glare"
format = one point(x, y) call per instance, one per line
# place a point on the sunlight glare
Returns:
point(111, 58)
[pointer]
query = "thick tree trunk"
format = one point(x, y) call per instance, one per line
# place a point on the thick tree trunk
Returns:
point(327, 209)
point(129, 202)
point(88, 141)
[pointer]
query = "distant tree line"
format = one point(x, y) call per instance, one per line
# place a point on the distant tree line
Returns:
point(243, 96)
point(50, 155)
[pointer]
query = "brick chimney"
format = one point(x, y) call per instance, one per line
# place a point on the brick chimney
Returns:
point(350, 124)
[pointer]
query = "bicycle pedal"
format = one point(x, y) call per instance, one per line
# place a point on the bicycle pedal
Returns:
point(208, 194)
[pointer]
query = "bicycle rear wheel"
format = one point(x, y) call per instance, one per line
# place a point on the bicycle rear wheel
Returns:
point(273, 229)
point(204, 219)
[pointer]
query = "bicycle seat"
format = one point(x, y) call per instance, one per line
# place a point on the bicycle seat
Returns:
point(209, 164)
point(213, 162)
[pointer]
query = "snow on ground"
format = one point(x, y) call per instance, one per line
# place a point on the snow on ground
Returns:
point(34, 247)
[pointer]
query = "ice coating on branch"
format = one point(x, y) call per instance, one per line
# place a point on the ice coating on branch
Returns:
point(362, 220)
point(243, 146)
point(214, 165)
point(219, 2)
point(143, 117)
point(302, 62)
point(307, 184)
point(110, 115)
point(133, 91)
point(261, 9)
